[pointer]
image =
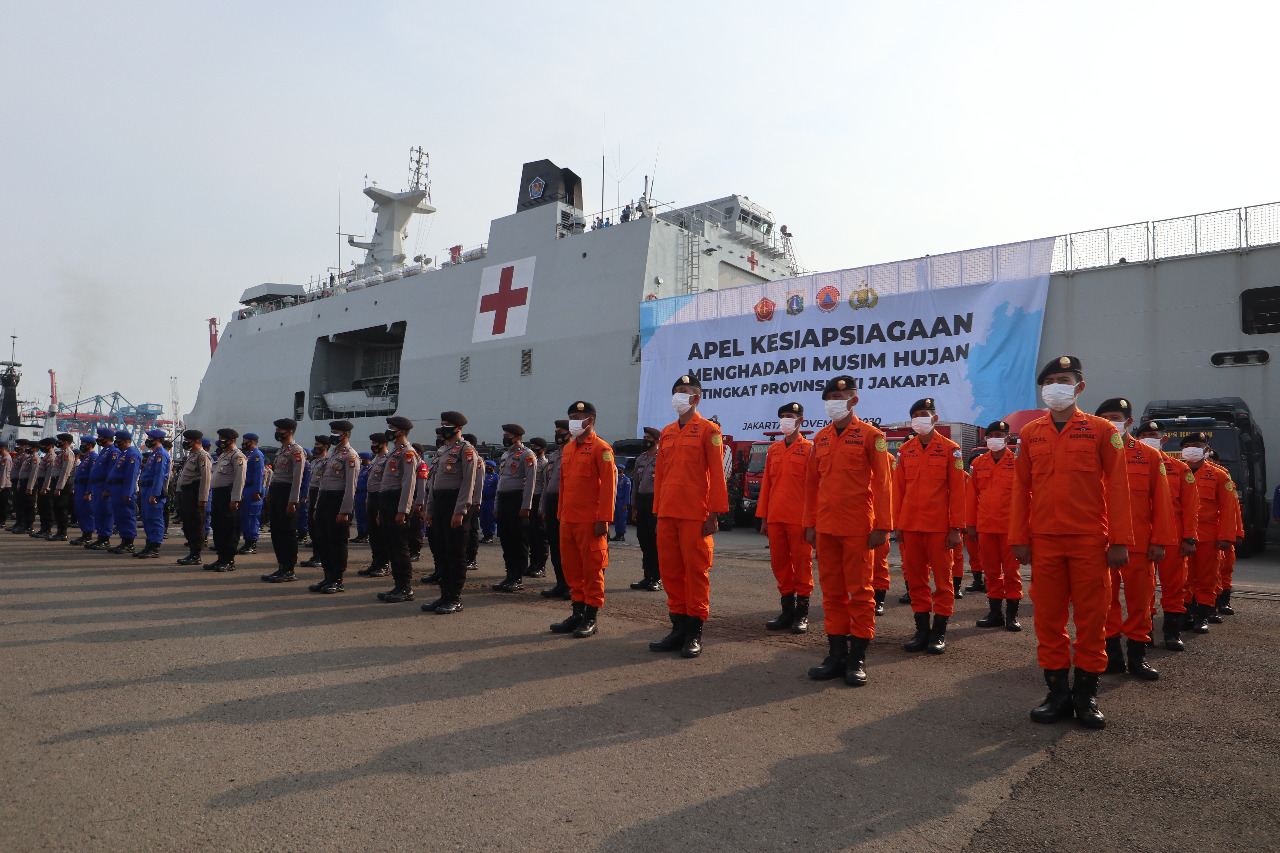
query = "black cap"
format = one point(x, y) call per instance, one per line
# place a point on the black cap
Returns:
point(66, 436)
point(650, 432)
point(582, 407)
point(562, 424)
point(377, 438)
point(1194, 437)
point(514, 429)
point(322, 440)
point(193, 435)
point(1116, 404)
point(998, 425)
point(1061, 364)
point(687, 379)
point(400, 422)
point(228, 433)
point(793, 409)
point(286, 423)
point(22, 442)
point(1148, 426)
point(470, 438)
point(925, 403)
point(839, 383)
point(341, 426)
point(454, 418)
point(538, 441)
point(46, 442)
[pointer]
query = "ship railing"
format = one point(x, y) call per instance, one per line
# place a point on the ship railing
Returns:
point(613, 215)
point(1237, 229)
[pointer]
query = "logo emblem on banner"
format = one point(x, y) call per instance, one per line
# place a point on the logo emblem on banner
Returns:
point(795, 302)
point(828, 298)
point(764, 310)
point(863, 297)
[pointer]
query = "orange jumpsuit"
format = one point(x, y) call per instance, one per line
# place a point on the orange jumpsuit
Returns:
point(1216, 521)
point(1069, 503)
point(781, 504)
point(1185, 500)
point(688, 488)
point(880, 557)
point(847, 495)
point(928, 501)
point(990, 485)
point(1227, 567)
point(588, 486)
point(1152, 513)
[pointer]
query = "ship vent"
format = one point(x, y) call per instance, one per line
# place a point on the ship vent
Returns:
point(635, 349)
point(464, 369)
point(1240, 358)
point(526, 362)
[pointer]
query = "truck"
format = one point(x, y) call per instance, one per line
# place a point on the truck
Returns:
point(1235, 436)
point(967, 436)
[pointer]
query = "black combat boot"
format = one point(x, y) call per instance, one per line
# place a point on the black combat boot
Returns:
point(192, 559)
point(673, 641)
point(921, 638)
point(905, 598)
point(1224, 603)
point(588, 624)
point(360, 539)
point(433, 578)
point(280, 575)
point(978, 585)
point(801, 623)
point(1011, 622)
point(1115, 656)
point(1211, 613)
point(451, 605)
point(1138, 665)
point(834, 664)
point(78, 541)
point(1057, 705)
point(654, 585)
point(313, 563)
point(1170, 627)
point(60, 536)
point(957, 584)
point(250, 546)
point(692, 637)
point(100, 545)
point(938, 636)
point(643, 583)
point(880, 602)
point(375, 570)
point(150, 550)
point(430, 607)
point(786, 617)
point(995, 614)
point(573, 621)
point(396, 595)
point(125, 547)
point(1084, 695)
point(1199, 614)
point(855, 675)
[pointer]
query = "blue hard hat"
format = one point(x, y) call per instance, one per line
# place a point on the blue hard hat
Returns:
point(156, 434)
point(86, 439)
point(106, 432)
point(250, 436)
point(120, 433)
point(364, 454)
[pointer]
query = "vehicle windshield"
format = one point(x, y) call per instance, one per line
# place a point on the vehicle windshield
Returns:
point(1225, 441)
point(755, 462)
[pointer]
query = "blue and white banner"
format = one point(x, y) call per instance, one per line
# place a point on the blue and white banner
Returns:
point(962, 328)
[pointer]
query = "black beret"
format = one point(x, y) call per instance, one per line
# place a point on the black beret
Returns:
point(286, 423)
point(454, 418)
point(341, 426)
point(400, 422)
point(839, 383)
point(470, 438)
point(323, 440)
point(514, 429)
point(66, 436)
point(1194, 437)
point(228, 432)
point(582, 407)
point(538, 441)
point(562, 425)
point(377, 438)
point(46, 442)
point(794, 409)
point(650, 432)
point(925, 403)
point(1061, 364)
point(1148, 426)
point(690, 379)
point(418, 448)
point(998, 425)
point(1116, 404)
point(193, 435)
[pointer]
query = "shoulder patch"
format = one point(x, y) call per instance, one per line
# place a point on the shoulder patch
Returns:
point(1190, 478)
point(882, 445)
point(297, 456)
point(607, 456)
point(239, 460)
point(715, 441)
point(351, 463)
point(1163, 470)
point(1116, 442)
point(960, 464)
point(469, 455)
point(1231, 486)
point(957, 454)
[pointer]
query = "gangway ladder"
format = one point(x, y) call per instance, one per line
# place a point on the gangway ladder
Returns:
point(793, 263)
point(693, 259)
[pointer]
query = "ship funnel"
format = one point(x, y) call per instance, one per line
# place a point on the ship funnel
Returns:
point(543, 182)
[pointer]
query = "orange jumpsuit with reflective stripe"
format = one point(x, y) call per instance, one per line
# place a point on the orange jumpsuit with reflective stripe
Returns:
point(1226, 568)
point(928, 501)
point(781, 504)
point(847, 495)
point(1216, 521)
point(1152, 513)
point(987, 510)
point(1070, 502)
point(688, 488)
point(588, 486)
point(1184, 498)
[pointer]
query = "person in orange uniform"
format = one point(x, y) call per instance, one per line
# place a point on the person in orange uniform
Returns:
point(1153, 536)
point(689, 493)
point(588, 487)
point(1226, 569)
point(928, 511)
point(1069, 518)
point(987, 521)
point(1184, 502)
point(1215, 532)
point(848, 513)
point(781, 513)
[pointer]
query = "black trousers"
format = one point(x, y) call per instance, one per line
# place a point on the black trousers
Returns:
point(538, 543)
point(330, 536)
point(377, 536)
point(27, 506)
point(226, 525)
point(192, 517)
point(473, 537)
point(511, 532)
point(5, 495)
point(44, 503)
point(551, 528)
point(61, 504)
point(284, 534)
point(452, 542)
point(417, 533)
point(396, 538)
point(647, 533)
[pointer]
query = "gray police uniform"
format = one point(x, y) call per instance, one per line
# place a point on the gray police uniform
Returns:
point(377, 539)
point(337, 475)
point(286, 488)
point(646, 521)
point(550, 511)
point(451, 490)
point(228, 486)
point(517, 477)
point(193, 486)
point(399, 480)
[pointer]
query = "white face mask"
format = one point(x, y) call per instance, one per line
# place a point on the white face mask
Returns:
point(1057, 396)
point(995, 445)
point(922, 426)
point(1119, 425)
point(787, 425)
point(577, 427)
point(836, 409)
point(680, 402)
point(1193, 454)
point(1153, 442)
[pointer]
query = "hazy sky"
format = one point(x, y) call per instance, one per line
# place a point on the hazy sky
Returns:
point(156, 159)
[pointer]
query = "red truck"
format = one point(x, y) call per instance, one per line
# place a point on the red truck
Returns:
point(968, 436)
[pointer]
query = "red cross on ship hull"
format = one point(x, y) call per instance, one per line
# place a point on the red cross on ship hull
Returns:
point(503, 300)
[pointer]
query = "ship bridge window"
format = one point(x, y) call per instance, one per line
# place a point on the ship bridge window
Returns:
point(356, 374)
point(1260, 310)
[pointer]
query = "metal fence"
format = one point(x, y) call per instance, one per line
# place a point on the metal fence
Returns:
point(1235, 230)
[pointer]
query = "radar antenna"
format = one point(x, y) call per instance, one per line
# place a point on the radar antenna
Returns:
point(419, 160)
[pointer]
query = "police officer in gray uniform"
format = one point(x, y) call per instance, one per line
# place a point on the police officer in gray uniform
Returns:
point(228, 485)
point(193, 488)
point(448, 505)
point(60, 487)
point(549, 509)
point(318, 451)
point(284, 494)
point(337, 473)
point(380, 562)
point(395, 508)
point(517, 476)
point(642, 512)
point(473, 537)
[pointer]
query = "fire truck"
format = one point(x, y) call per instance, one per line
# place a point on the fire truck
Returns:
point(968, 436)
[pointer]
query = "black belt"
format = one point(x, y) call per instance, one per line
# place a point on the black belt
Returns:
point(115, 482)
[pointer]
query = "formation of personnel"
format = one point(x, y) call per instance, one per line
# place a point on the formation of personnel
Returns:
point(1093, 503)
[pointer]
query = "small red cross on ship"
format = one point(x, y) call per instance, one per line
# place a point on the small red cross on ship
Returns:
point(751, 259)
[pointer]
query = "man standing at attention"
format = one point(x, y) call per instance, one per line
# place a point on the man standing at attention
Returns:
point(781, 513)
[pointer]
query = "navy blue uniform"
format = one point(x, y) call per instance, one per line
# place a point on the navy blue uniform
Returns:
point(151, 485)
point(122, 485)
point(251, 506)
